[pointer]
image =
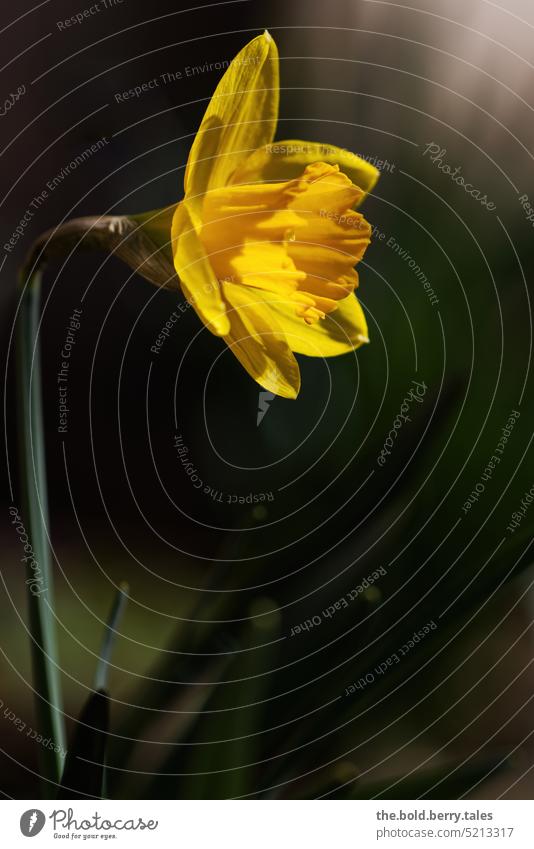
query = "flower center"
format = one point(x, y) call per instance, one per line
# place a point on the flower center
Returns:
point(297, 241)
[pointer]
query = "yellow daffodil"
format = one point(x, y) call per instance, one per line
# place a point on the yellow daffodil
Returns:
point(266, 238)
point(265, 241)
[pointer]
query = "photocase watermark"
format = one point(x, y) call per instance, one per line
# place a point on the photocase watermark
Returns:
point(64, 371)
point(528, 209)
point(266, 398)
point(29, 732)
point(32, 822)
point(10, 101)
point(36, 583)
point(385, 665)
point(341, 604)
point(176, 314)
point(136, 91)
point(285, 149)
point(207, 68)
point(264, 402)
point(357, 222)
point(165, 331)
point(66, 824)
point(415, 394)
point(381, 164)
point(78, 160)
point(349, 219)
point(88, 12)
point(171, 77)
point(406, 257)
point(39, 199)
point(437, 155)
point(326, 151)
point(520, 513)
point(492, 463)
point(182, 452)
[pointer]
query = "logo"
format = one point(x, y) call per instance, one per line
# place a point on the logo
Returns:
point(32, 822)
point(265, 398)
point(264, 402)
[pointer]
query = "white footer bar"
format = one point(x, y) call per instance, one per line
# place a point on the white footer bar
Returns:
point(268, 824)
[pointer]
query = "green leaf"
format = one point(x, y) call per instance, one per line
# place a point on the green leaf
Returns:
point(84, 772)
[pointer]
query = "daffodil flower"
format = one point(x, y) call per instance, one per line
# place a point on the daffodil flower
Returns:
point(265, 240)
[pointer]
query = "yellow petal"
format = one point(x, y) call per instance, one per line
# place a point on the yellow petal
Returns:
point(258, 342)
point(338, 333)
point(198, 280)
point(285, 160)
point(241, 116)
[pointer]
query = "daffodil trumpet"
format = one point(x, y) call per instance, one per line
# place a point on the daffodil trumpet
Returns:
point(265, 242)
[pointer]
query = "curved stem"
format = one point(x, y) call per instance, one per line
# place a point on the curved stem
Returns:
point(39, 582)
point(143, 242)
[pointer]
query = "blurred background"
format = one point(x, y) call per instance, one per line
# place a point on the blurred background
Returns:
point(220, 686)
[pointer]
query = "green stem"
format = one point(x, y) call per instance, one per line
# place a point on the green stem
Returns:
point(40, 589)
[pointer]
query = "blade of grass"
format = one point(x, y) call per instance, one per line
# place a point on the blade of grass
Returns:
point(45, 667)
point(85, 767)
point(109, 638)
